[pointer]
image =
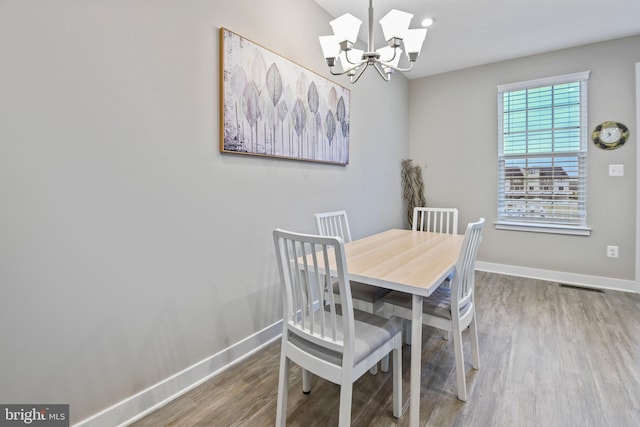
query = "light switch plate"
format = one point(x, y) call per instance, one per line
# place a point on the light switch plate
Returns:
point(616, 170)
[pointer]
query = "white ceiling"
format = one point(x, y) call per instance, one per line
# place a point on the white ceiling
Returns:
point(474, 32)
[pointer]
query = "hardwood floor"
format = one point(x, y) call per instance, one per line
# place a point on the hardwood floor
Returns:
point(550, 356)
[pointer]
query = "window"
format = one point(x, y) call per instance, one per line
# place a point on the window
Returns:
point(542, 155)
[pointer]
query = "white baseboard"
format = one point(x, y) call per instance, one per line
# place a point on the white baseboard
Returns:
point(597, 282)
point(143, 403)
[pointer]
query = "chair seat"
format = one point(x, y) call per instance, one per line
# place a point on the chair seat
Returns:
point(363, 292)
point(437, 304)
point(371, 332)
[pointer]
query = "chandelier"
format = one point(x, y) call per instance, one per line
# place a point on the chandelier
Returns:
point(338, 48)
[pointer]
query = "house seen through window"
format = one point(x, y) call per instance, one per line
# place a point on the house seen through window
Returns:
point(542, 155)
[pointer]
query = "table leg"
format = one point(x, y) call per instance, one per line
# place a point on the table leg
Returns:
point(416, 360)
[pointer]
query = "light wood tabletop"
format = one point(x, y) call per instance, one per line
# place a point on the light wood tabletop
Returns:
point(415, 262)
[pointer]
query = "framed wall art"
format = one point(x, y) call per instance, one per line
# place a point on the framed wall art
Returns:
point(270, 106)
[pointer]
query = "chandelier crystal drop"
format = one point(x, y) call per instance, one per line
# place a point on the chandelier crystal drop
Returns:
point(343, 58)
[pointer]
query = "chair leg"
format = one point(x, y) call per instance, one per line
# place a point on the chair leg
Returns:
point(460, 377)
point(406, 331)
point(283, 384)
point(397, 381)
point(344, 419)
point(384, 364)
point(475, 351)
point(306, 382)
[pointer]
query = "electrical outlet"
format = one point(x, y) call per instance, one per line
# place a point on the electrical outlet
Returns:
point(612, 251)
point(616, 170)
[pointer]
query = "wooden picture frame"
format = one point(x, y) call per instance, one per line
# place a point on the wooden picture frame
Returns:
point(272, 107)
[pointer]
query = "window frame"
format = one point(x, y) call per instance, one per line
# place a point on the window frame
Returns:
point(530, 223)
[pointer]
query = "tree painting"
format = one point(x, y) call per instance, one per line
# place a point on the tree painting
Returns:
point(273, 107)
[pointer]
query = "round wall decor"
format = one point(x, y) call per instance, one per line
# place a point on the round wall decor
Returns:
point(610, 135)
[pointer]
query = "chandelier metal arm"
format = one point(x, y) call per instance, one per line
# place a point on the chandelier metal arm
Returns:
point(385, 76)
point(359, 73)
point(350, 70)
point(342, 73)
point(365, 58)
point(390, 60)
point(402, 70)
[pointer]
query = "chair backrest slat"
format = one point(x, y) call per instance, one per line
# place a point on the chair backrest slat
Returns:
point(438, 220)
point(308, 266)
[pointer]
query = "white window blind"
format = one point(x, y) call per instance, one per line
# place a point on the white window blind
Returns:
point(542, 155)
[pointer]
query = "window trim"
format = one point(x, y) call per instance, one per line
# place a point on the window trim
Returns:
point(579, 230)
point(543, 228)
point(545, 81)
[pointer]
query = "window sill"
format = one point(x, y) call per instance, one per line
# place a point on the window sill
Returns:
point(543, 228)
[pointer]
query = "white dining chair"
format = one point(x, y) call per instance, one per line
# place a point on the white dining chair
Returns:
point(452, 310)
point(438, 220)
point(326, 338)
point(365, 297)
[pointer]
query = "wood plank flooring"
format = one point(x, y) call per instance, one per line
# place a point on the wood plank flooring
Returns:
point(550, 356)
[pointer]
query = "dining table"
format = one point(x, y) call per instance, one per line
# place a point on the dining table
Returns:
point(414, 262)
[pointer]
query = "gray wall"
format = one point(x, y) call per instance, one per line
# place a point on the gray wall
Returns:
point(130, 248)
point(453, 135)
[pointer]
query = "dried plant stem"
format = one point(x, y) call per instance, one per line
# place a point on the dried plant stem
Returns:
point(413, 187)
